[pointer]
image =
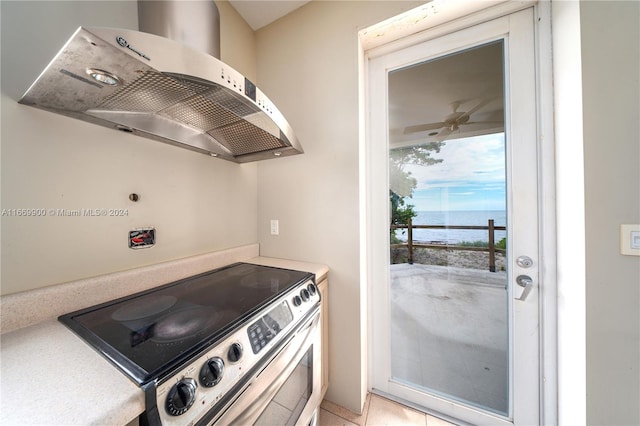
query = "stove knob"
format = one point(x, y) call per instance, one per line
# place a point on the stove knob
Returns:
point(312, 288)
point(235, 352)
point(181, 396)
point(211, 372)
point(304, 293)
point(297, 301)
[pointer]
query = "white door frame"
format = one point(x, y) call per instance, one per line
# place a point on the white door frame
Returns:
point(449, 19)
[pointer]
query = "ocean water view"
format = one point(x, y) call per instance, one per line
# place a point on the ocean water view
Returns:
point(455, 218)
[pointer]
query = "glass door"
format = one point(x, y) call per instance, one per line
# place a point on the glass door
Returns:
point(456, 329)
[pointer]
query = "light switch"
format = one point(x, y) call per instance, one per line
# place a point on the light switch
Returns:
point(630, 240)
point(635, 240)
point(275, 227)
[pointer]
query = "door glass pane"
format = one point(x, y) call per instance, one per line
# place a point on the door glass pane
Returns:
point(447, 188)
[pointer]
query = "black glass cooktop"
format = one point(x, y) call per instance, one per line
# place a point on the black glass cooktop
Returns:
point(149, 333)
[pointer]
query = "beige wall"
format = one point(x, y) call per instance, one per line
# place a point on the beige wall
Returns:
point(308, 65)
point(196, 203)
point(237, 41)
point(611, 112)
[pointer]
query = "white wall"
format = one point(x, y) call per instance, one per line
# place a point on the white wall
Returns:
point(308, 65)
point(196, 203)
point(611, 116)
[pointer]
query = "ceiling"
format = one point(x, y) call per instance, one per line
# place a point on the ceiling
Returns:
point(260, 13)
point(423, 96)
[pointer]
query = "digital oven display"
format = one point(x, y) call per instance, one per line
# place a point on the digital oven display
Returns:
point(266, 328)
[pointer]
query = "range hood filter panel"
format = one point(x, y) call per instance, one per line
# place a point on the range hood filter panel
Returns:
point(151, 92)
point(243, 138)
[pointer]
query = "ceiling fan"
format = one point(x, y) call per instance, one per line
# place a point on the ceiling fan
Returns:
point(452, 122)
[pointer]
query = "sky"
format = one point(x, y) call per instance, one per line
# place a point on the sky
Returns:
point(471, 177)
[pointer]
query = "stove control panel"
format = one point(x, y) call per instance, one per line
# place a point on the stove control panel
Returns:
point(267, 328)
point(189, 394)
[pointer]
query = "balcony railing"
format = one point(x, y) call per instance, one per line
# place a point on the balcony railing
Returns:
point(491, 248)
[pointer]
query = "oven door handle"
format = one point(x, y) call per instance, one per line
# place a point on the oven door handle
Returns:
point(253, 409)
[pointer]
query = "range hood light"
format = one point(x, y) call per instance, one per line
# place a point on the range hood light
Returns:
point(213, 154)
point(103, 77)
point(277, 153)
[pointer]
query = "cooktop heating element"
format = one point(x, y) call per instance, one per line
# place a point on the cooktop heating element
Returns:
point(205, 331)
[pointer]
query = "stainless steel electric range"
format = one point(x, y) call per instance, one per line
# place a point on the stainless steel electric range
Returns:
point(240, 344)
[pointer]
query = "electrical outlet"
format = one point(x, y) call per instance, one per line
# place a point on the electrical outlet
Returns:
point(275, 227)
point(142, 238)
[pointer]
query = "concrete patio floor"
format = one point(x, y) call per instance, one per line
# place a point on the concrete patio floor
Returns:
point(449, 333)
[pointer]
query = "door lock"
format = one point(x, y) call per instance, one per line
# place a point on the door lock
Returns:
point(524, 262)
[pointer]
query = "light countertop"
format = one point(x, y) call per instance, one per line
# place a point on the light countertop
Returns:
point(50, 376)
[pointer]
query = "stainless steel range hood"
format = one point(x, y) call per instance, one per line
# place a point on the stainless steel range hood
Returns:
point(163, 90)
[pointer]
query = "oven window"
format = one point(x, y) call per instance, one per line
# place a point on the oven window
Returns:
point(285, 408)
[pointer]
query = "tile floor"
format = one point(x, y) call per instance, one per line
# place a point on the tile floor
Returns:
point(378, 411)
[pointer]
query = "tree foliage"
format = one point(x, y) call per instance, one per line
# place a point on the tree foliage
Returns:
point(402, 183)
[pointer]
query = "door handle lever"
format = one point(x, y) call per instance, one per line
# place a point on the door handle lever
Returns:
point(526, 282)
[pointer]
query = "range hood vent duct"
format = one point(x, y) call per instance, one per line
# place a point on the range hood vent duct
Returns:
point(193, 23)
point(164, 90)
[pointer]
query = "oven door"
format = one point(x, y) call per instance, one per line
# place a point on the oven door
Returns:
point(287, 390)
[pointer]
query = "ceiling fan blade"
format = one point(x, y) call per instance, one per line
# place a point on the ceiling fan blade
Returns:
point(444, 133)
point(467, 114)
point(482, 122)
point(423, 127)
